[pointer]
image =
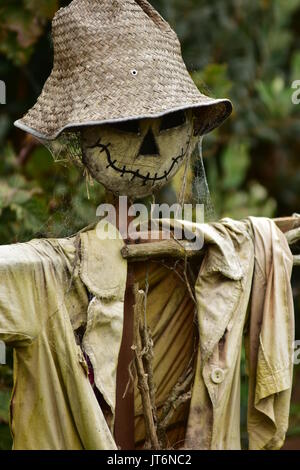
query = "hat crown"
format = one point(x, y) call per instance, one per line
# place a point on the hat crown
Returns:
point(105, 28)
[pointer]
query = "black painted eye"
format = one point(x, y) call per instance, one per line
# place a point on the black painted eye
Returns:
point(172, 120)
point(131, 127)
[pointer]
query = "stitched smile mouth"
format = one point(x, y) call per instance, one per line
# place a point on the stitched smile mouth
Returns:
point(136, 174)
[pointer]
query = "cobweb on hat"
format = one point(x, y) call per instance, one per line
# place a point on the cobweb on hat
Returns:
point(66, 148)
point(194, 188)
point(200, 188)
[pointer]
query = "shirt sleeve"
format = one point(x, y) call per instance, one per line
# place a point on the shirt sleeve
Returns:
point(270, 338)
point(28, 279)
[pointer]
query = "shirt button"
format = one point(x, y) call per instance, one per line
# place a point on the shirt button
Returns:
point(217, 375)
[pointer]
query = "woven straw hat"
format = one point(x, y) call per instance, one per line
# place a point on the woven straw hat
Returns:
point(116, 60)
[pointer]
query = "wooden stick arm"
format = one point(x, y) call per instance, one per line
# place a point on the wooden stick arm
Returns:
point(160, 249)
point(183, 249)
point(286, 224)
point(291, 227)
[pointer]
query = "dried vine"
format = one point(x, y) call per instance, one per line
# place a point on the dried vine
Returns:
point(142, 376)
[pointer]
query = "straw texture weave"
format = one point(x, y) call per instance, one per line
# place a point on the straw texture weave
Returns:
point(115, 60)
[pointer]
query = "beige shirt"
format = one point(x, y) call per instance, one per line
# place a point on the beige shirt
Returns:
point(250, 269)
point(243, 283)
point(53, 404)
point(269, 338)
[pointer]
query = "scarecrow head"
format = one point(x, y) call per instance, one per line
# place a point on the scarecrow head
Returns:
point(120, 89)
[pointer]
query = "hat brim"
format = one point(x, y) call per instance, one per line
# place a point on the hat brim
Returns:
point(209, 116)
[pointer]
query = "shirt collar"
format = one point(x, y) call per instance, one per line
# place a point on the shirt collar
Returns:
point(103, 269)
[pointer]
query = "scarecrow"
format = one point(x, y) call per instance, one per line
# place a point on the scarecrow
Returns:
point(111, 351)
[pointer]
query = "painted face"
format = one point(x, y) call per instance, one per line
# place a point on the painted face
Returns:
point(134, 158)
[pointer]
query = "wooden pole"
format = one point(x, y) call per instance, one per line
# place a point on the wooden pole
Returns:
point(124, 419)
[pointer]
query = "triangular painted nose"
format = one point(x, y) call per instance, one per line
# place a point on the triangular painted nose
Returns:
point(149, 146)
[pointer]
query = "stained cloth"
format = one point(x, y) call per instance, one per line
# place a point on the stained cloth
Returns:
point(52, 289)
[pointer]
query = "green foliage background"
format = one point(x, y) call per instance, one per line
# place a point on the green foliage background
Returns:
point(245, 50)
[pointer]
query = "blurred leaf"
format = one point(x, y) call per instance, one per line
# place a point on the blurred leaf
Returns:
point(276, 97)
point(5, 438)
point(213, 80)
point(4, 406)
point(22, 25)
point(235, 162)
point(295, 67)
